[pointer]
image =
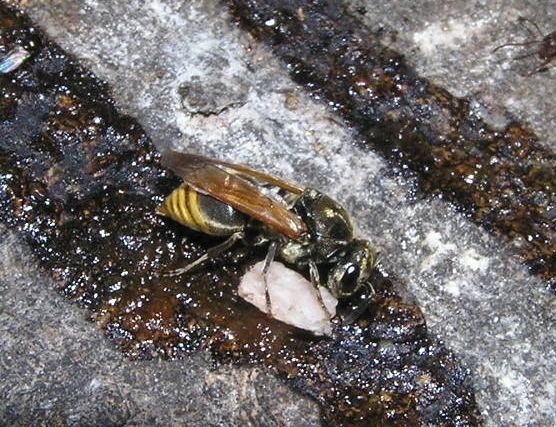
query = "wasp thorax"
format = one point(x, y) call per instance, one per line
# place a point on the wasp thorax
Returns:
point(324, 216)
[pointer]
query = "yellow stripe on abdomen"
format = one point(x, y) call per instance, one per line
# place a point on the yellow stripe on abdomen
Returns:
point(178, 206)
point(184, 211)
point(202, 213)
point(195, 210)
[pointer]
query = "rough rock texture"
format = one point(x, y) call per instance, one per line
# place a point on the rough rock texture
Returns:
point(193, 80)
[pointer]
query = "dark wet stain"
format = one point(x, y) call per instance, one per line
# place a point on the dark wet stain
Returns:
point(80, 182)
point(502, 179)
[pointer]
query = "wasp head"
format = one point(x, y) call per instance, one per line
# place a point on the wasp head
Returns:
point(353, 269)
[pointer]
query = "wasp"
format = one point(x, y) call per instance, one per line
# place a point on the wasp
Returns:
point(303, 227)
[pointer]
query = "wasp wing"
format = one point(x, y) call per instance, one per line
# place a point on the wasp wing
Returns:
point(230, 183)
point(175, 159)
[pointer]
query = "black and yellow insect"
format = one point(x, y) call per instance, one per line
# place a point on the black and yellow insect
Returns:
point(301, 226)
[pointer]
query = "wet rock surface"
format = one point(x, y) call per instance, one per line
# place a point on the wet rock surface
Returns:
point(474, 293)
point(454, 44)
point(58, 369)
point(503, 179)
point(80, 183)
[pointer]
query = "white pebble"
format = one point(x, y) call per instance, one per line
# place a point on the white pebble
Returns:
point(293, 298)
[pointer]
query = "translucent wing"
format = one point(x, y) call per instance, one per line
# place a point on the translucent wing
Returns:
point(233, 184)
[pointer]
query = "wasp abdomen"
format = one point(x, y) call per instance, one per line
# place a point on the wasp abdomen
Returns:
point(202, 213)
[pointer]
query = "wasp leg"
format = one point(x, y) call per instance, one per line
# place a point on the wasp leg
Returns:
point(268, 260)
point(541, 68)
point(291, 199)
point(211, 253)
point(525, 55)
point(315, 280)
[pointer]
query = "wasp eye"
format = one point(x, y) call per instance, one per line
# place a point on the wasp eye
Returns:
point(350, 280)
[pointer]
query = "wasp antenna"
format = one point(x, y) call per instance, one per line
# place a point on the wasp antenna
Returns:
point(527, 55)
point(522, 20)
point(530, 42)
